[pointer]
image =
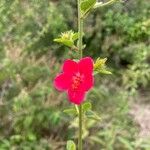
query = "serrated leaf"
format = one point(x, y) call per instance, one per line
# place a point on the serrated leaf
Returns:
point(86, 106)
point(70, 111)
point(71, 145)
point(92, 115)
point(86, 5)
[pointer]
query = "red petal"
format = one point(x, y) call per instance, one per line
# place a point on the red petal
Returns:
point(86, 65)
point(76, 97)
point(62, 82)
point(70, 66)
point(88, 82)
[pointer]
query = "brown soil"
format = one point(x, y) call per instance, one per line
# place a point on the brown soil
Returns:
point(141, 114)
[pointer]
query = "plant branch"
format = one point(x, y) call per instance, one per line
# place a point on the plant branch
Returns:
point(100, 4)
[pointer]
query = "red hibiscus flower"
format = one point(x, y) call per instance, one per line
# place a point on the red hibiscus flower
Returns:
point(76, 79)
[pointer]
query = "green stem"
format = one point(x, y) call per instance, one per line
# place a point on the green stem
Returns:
point(80, 29)
point(80, 32)
point(80, 128)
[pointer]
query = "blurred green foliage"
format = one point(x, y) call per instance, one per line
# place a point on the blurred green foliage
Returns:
point(31, 110)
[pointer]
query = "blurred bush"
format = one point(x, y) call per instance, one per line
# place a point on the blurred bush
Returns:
point(31, 110)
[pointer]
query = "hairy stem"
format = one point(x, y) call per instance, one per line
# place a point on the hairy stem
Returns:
point(80, 128)
point(80, 32)
point(80, 29)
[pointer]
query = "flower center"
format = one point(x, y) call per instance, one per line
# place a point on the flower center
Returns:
point(76, 81)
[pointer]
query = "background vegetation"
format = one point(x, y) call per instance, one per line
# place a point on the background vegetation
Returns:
point(31, 110)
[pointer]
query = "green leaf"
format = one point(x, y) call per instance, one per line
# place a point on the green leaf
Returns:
point(71, 145)
point(31, 137)
point(75, 36)
point(100, 67)
point(28, 121)
point(97, 140)
point(86, 106)
point(70, 111)
point(16, 138)
point(86, 5)
point(92, 115)
point(66, 42)
point(104, 72)
point(126, 143)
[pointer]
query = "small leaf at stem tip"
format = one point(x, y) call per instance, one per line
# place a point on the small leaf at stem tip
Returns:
point(86, 106)
point(70, 145)
point(92, 115)
point(71, 111)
